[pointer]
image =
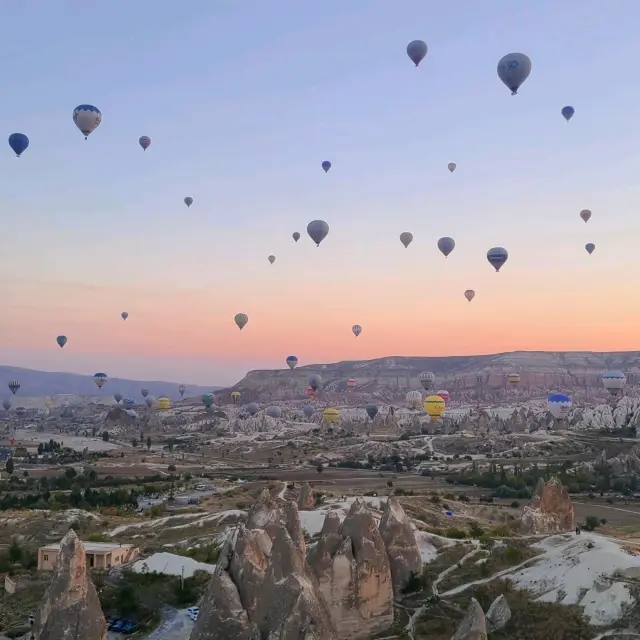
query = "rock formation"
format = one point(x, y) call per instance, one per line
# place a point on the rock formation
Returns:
point(473, 625)
point(70, 608)
point(499, 614)
point(353, 569)
point(400, 542)
point(550, 509)
point(306, 499)
point(262, 586)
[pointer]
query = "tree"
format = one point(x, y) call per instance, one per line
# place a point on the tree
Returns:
point(590, 523)
point(40, 449)
point(134, 442)
point(9, 466)
point(105, 436)
point(148, 442)
point(319, 468)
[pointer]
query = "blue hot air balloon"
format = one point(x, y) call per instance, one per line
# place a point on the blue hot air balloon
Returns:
point(87, 118)
point(497, 257)
point(19, 143)
point(559, 405)
point(128, 403)
point(326, 165)
point(61, 340)
point(568, 112)
point(292, 361)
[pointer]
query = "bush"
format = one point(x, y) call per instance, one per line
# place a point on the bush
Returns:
point(591, 523)
point(486, 541)
point(475, 530)
point(414, 583)
point(435, 499)
point(455, 533)
point(515, 505)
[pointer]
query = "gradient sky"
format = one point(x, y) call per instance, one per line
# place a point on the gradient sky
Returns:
point(243, 100)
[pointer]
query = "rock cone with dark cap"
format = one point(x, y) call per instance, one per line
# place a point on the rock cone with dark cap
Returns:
point(70, 609)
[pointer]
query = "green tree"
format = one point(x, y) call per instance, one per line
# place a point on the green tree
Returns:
point(105, 436)
point(148, 443)
point(134, 442)
point(9, 466)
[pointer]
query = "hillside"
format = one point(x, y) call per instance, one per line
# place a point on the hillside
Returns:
point(389, 377)
point(44, 383)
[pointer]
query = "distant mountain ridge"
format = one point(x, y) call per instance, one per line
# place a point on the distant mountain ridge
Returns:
point(35, 383)
point(390, 376)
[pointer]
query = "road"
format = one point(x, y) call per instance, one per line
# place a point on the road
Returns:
point(176, 625)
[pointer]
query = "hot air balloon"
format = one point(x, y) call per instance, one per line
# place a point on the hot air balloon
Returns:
point(590, 247)
point(207, 400)
point(128, 403)
point(100, 379)
point(311, 392)
point(414, 398)
point(497, 257)
point(21, 411)
point(357, 330)
point(292, 361)
point(296, 236)
point(149, 400)
point(253, 408)
point(18, 143)
point(6, 405)
point(427, 379)
point(241, 320)
point(434, 406)
point(326, 165)
point(444, 394)
point(406, 238)
point(87, 118)
point(614, 382)
point(372, 410)
point(117, 396)
point(417, 50)
point(14, 386)
point(317, 230)
point(273, 412)
point(567, 113)
point(351, 384)
point(332, 416)
point(61, 340)
point(144, 392)
point(315, 380)
point(469, 294)
point(452, 166)
point(272, 259)
point(308, 410)
point(446, 245)
point(124, 315)
point(188, 201)
point(235, 397)
point(513, 70)
point(164, 403)
point(144, 142)
point(513, 379)
point(181, 390)
point(43, 413)
point(585, 214)
point(559, 405)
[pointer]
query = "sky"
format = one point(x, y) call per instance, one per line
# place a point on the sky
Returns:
point(243, 101)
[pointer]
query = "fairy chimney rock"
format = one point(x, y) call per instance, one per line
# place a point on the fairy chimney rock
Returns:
point(306, 499)
point(550, 509)
point(473, 625)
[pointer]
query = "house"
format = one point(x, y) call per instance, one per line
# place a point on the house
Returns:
point(100, 555)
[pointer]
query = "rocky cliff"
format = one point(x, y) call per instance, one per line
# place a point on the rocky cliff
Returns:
point(70, 608)
point(475, 624)
point(262, 587)
point(550, 509)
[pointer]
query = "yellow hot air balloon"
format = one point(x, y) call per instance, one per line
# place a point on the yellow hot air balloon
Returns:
point(164, 403)
point(48, 403)
point(513, 379)
point(434, 406)
point(235, 397)
point(332, 416)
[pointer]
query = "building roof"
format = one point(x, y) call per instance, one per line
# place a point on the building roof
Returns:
point(92, 547)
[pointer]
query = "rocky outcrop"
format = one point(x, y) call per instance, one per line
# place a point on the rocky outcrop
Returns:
point(306, 499)
point(499, 614)
point(352, 567)
point(262, 587)
point(70, 608)
point(473, 625)
point(400, 543)
point(550, 509)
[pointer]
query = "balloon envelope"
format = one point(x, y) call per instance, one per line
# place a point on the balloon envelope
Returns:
point(274, 412)
point(326, 165)
point(590, 247)
point(372, 410)
point(292, 361)
point(559, 405)
point(241, 320)
point(296, 236)
point(188, 201)
point(497, 256)
point(6, 405)
point(315, 381)
point(614, 381)
point(308, 410)
point(568, 112)
point(19, 143)
point(357, 330)
point(87, 118)
point(434, 406)
point(318, 230)
point(452, 166)
point(61, 340)
point(332, 416)
point(144, 142)
point(446, 245)
point(124, 315)
point(117, 396)
point(417, 50)
point(427, 380)
point(414, 398)
point(144, 392)
point(272, 259)
point(253, 408)
point(100, 379)
point(585, 214)
point(469, 294)
point(406, 238)
point(513, 70)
